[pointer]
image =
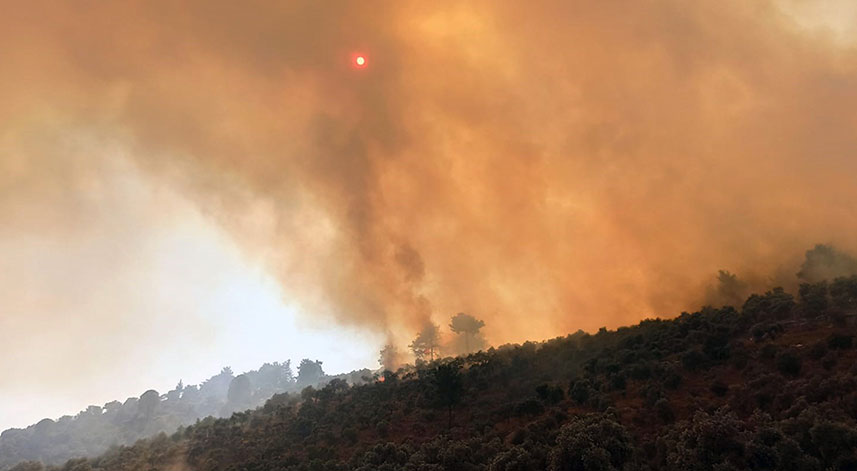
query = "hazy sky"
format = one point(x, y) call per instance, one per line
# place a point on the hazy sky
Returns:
point(189, 185)
point(138, 291)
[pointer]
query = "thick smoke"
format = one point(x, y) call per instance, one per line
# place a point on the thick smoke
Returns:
point(545, 166)
point(824, 262)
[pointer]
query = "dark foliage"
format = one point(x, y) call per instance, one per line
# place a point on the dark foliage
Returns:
point(448, 387)
point(789, 363)
point(771, 387)
point(97, 429)
point(825, 262)
point(814, 297)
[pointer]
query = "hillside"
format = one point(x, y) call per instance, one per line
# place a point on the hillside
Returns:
point(94, 430)
point(770, 386)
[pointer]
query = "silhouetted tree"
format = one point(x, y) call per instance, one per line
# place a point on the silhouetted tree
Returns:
point(843, 292)
point(580, 391)
point(310, 372)
point(426, 342)
point(272, 378)
point(149, 402)
point(774, 304)
point(824, 262)
point(813, 298)
point(239, 394)
point(218, 385)
point(389, 358)
point(176, 393)
point(448, 384)
point(190, 394)
point(729, 290)
point(466, 326)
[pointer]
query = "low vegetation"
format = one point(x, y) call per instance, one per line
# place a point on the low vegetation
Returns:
point(772, 386)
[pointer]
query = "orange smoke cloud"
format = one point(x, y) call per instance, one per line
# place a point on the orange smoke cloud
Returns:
point(545, 167)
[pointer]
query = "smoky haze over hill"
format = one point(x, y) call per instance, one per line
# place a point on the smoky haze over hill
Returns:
point(827, 296)
point(493, 157)
point(93, 430)
point(545, 167)
point(769, 386)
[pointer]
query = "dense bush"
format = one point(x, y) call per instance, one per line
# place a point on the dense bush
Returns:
point(814, 297)
point(840, 341)
point(843, 293)
point(788, 363)
point(97, 428)
point(593, 442)
point(700, 392)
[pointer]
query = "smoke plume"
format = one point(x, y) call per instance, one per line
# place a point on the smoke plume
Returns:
point(545, 166)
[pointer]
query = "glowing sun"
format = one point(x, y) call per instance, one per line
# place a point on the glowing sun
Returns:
point(360, 61)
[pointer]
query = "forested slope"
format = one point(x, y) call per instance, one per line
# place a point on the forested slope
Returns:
point(92, 431)
point(771, 385)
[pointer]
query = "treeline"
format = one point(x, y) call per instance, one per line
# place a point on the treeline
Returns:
point(428, 344)
point(94, 430)
point(769, 386)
